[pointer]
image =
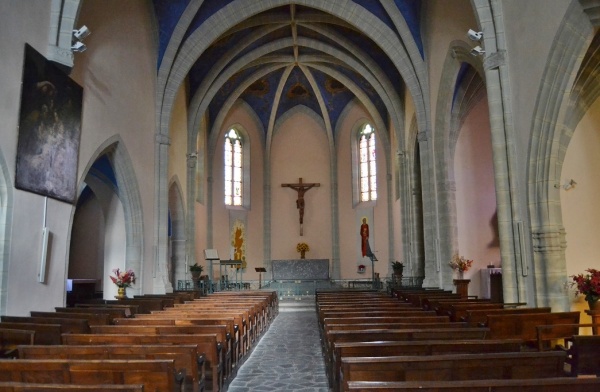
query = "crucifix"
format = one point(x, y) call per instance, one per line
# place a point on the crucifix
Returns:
point(301, 187)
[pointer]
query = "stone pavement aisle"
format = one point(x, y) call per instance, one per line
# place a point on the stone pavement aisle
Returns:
point(288, 357)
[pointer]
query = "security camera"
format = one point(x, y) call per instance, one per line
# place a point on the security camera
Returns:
point(477, 51)
point(475, 35)
point(78, 47)
point(81, 33)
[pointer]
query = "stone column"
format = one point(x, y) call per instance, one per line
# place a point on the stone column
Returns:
point(161, 282)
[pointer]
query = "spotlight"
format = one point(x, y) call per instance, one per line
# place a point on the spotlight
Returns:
point(475, 35)
point(569, 184)
point(78, 47)
point(477, 51)
point(81, 33)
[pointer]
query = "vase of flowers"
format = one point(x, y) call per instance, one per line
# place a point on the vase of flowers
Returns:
point(122, 279)
point(460, 264)
point(196, 271)
point(302, 248)
point(589, 285)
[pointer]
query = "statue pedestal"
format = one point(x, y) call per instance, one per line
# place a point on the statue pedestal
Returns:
point(462, 287)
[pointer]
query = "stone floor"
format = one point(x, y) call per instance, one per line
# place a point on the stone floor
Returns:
point(288, 356)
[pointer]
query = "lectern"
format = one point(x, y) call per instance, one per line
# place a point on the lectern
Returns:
point(210, 255)
point(260, 270)
point(232, 263)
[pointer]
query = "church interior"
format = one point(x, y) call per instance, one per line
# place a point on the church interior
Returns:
point(293, 146)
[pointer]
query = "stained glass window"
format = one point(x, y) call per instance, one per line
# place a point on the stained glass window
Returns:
point(233, 169)
point(368, 164)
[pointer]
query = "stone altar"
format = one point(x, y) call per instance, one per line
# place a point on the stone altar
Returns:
point(300, 269)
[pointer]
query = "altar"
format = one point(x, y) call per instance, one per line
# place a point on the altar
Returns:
point(296, 278)
point(300, 269)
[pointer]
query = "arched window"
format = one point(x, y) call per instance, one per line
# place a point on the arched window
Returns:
point(234, 173)
point(367, 164)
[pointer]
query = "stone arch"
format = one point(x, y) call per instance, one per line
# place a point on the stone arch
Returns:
point(129, 195)
point(551, 133)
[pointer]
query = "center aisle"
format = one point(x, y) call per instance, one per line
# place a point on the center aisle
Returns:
point(288, 357)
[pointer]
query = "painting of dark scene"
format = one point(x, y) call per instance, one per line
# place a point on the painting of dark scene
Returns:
point(49, 129)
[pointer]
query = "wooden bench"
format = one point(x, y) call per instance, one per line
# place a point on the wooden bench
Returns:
point(112, 312)
point(197, 318)
point(68, 325)
point(425, 347)
point(479, 316)
point(10, 339)
point(206, 343)
point(584, 355)
point(521, 365)
point(154, 375)
point(92, 318)
point(555, 384)
point(524, 326)
point(219, 330)
point(7, 386)
point(186, 358)
point(44, 333)
point(374, 335)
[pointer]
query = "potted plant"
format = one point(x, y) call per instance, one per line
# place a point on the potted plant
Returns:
point(398, 268)
point(196, 271)
point(588, 285)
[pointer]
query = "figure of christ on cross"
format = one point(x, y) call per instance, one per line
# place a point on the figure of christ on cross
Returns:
point(301, 187)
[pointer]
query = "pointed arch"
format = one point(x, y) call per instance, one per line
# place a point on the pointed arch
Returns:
point(128, 193)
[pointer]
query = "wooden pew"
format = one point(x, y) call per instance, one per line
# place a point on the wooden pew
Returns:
point(584, 355)
point(44, 333)
point(219, 330)
point(8, 386)
point(206, 343)
point(198, 318)
point(92, 318)
point(554, 384)
point(155, 375)
point(130, 310)
point(10, 339)
point(458, 311)
point(479, 316)
point(524, 326)
point(521, 365)
point(68, 325)
point(425, 347)
point(373, 335)
point(112, 312)
point(186, 358)
point(244, 327)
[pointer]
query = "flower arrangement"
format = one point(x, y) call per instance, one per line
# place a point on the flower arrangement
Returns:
point(302, 247)
point(588, 284)
point(460, 263)
point(123, 278)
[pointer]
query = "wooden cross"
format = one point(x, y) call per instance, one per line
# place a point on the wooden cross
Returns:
point(301, 187)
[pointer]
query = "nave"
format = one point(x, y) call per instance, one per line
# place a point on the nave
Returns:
point(288, 356)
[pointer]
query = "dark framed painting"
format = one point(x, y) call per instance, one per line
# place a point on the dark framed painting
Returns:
point(49, 129)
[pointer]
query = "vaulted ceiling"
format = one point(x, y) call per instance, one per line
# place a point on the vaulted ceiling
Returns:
point(292, 55)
